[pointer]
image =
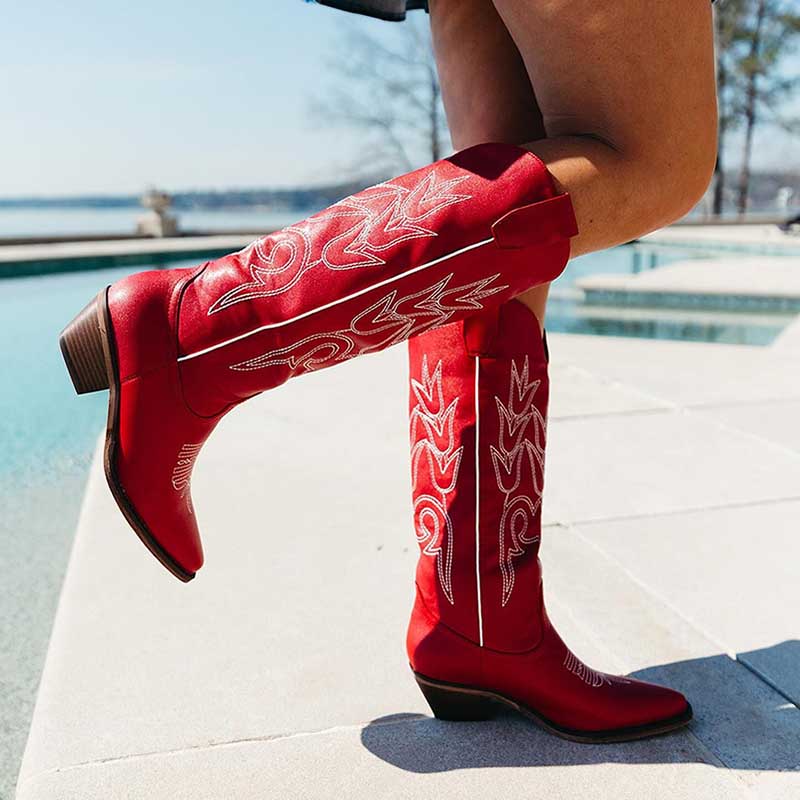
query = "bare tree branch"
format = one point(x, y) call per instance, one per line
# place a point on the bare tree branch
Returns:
point(387, 88)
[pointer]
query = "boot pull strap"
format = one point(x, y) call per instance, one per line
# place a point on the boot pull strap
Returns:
point(546, 222)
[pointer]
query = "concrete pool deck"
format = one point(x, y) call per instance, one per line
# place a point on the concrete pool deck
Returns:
point(670, 551)
point(18, 260)
point(16, 253)
point(763, 239)
point(751, 283)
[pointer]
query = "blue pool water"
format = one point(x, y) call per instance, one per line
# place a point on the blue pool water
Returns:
point(48, 436)
point(566, 314)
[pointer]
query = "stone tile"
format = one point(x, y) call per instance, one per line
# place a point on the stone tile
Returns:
point(739, 718)
point(779, 665)
point(731, 572)
point(403, 755)
point(777, 422)
point(574, 392)
point(736, 238)
point(121, 247)
point(788, 342)
point(280, 671)
point(647, 464)
point(309, 577)
point(404, 760)
point(773, 281)
point(684, 373)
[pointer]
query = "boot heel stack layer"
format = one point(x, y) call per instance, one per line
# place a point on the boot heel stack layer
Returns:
point(82, 348)
point(456, 704)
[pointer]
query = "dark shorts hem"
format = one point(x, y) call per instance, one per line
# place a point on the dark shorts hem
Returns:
point(391, 10)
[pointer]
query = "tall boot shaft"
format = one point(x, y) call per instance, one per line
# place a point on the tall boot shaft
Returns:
point(478, 410)
point(373, 270)
point(479, 634)
point(180, 348)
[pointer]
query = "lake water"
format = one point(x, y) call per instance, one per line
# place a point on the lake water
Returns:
point(73, 222)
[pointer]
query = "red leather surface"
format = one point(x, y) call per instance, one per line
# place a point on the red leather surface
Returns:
point(487, 626)
point(373, 270)
point(353, 261)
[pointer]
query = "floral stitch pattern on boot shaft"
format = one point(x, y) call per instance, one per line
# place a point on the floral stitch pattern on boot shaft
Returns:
point(433, 444)
point(181, 348)
point(518, 461)
point(382, 218)
point(389, 321)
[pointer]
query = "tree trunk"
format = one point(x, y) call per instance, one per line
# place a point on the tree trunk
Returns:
point(751, 106)
point(719, 187)
point(719, 172)
point(722, 79)
point(434, 111)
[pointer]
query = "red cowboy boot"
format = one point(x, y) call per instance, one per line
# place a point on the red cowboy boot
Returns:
point(479, 634)
point(179, 348)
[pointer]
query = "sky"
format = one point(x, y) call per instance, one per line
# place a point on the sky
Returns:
point(103, 97)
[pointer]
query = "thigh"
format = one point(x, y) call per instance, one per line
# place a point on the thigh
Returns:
point(485, 87)
point(639, 76)
point(486, 90)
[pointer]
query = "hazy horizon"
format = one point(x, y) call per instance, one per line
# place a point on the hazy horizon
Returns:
point(108, 100)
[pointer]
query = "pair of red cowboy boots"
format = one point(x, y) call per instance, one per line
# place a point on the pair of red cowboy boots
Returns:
point(434, 257)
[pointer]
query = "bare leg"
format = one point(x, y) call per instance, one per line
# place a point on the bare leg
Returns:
point(486, 90)
point(625, 92)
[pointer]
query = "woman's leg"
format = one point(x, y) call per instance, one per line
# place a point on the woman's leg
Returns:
point(628, 99)
point(624, 92)
point(478, 631)
point(486, 90)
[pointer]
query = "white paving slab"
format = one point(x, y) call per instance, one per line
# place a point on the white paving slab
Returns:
point(742, 721)
point(756, 277)
point(684, 373)
point(280, 671)
point(755, 238)
point(121, 247)
point(777, 422)
point(308, 546)
point(788, 340)
point(576, 392)
point(407, 761)
point(731, 572)
point(658, 463)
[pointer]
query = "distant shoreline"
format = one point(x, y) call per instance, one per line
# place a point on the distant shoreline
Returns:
point(764, 188)
point(269, 200)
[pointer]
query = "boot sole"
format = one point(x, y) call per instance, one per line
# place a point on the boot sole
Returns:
point(459, 703)
point(89, 351)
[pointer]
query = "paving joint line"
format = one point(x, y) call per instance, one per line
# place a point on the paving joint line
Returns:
point(267, 739)
point(690, 409)
point(692, 623)
point(769, 501)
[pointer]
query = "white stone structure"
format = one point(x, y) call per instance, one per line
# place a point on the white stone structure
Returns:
point(157, 222)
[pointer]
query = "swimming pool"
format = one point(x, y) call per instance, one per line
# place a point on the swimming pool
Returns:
point(48, 435)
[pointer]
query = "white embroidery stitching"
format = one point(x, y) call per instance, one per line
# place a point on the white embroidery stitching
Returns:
point(384, 216)
point(387, 322)
point(588, 675)
point(182, 471)
point(436, 442)
point(508, 458)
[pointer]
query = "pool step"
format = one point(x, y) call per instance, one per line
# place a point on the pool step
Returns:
point(82, 348)
point(758, 284)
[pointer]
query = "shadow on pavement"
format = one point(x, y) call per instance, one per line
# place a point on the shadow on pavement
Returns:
point(741, 719)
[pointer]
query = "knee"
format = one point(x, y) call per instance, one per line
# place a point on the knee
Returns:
point(680, 171)
point(690, 180)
